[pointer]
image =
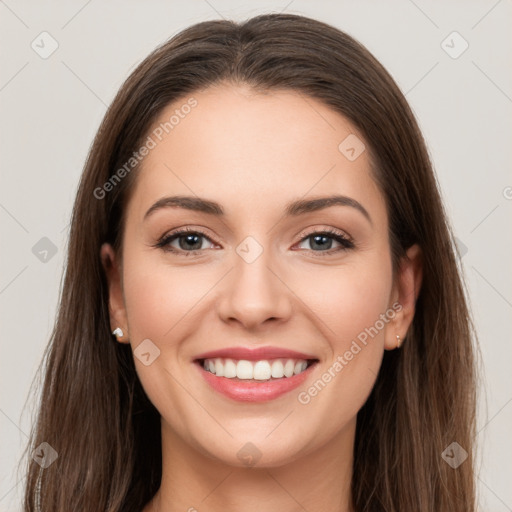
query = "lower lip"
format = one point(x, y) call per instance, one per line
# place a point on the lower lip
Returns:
point(254, 391)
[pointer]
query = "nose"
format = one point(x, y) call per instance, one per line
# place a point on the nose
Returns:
point(254, 295)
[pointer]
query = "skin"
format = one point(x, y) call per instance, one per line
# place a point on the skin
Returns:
point(253, 153)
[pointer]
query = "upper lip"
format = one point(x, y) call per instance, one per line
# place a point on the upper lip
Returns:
point(255, 354)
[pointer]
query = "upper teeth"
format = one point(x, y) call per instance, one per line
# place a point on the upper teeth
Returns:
point(258, 370)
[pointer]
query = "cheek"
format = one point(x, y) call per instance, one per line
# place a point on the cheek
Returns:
point(163, 304)
point(352, 304)
point(167, 304)
point(347, 300)
point(160, 298)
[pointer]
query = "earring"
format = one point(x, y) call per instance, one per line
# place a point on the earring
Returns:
point(398, 341)
point(118, 332)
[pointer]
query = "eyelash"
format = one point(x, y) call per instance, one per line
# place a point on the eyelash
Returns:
point(343, 240)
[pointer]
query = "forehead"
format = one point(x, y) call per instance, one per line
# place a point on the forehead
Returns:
point(253, 152)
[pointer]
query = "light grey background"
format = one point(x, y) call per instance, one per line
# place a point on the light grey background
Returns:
point(50, 109)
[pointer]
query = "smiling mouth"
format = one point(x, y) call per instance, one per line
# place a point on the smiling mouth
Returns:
point(263, 370)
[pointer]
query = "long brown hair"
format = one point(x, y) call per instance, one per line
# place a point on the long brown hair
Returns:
point(93, 411)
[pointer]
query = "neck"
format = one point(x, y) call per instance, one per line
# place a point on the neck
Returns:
point(315, 481)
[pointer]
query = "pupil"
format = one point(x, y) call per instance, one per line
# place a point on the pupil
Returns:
point(322, 244)
point(190, 240)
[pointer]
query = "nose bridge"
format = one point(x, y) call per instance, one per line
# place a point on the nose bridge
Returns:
point(254, 293)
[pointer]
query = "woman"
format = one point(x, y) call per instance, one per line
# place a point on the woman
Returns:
point(262, 308)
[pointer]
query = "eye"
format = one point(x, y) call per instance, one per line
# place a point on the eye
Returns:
point(322, 241)
point(184, 241)
point(190, 242)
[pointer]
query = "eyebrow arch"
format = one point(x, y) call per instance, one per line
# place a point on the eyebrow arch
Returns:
point(293, 208)
point(189, 203)
point(312, 205)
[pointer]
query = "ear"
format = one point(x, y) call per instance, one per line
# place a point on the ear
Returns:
point(113, 272)
point(405, 292)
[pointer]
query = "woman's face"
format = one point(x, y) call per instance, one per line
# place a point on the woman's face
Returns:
point(260, 275)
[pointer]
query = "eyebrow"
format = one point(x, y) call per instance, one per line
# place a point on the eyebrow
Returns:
point(293, 208)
